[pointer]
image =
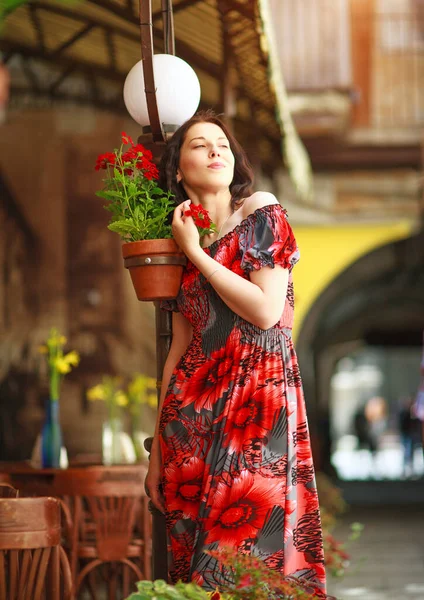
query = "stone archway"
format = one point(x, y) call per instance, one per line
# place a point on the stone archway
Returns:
point(378, 300)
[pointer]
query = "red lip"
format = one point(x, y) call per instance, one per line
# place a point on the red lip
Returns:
point(215, 165)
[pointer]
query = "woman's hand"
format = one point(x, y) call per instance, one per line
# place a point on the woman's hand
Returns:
point(153, 485)
point(184, 230)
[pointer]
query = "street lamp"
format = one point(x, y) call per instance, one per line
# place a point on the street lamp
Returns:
point(177, 91)
point(161, 92)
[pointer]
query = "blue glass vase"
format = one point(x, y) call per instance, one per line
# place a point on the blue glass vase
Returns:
point(51, 436)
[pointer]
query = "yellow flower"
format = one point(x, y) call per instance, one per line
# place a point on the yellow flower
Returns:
point(120, 398)
point(96, 393)
point(72, 358)
point(62, 366)
point(142, 390)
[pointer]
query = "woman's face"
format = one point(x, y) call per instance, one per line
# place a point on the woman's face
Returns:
point(206, 160)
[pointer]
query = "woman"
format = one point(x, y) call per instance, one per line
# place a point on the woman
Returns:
point(231, 461)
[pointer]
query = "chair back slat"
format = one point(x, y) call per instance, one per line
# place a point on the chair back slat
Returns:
point(3, 577)
point(114, 523)
point(41, 573)
point(13, 572)
point(54, 573)
point(112, 496)
point(32, 577)
point(25, 565)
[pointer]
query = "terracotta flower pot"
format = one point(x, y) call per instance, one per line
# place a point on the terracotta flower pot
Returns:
point(156, 268)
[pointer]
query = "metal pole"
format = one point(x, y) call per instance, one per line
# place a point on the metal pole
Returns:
point(163, 318)
point(168, 27)
point(146, 36)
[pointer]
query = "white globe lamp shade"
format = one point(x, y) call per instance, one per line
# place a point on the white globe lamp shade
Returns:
point(177, 91)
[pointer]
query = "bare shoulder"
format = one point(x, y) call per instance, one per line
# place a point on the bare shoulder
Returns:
point(258, 200)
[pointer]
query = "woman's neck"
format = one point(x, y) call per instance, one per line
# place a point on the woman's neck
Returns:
point(217, 204)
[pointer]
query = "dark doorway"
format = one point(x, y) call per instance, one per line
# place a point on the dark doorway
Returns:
point(361, 342)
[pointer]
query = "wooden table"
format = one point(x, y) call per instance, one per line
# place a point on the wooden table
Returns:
point(33, 481)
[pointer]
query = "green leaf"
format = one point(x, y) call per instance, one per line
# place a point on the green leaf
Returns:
point(158, 190)
point(109, 194)
point(122, 227)
point(132, 188)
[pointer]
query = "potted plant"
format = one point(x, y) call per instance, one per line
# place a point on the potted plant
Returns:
point(252, 580)
point(140, 215)
point(160, 590)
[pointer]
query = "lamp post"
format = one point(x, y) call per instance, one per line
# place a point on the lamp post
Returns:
point(160, 92)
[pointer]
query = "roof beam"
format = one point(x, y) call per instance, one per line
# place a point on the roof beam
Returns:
point(124, 13)
point(176, 8)
point(36, 23)
point(110, 43)
point(128, 14)
point(246, 10)
point(64, 61)
point(74, 38)
point(184, 50)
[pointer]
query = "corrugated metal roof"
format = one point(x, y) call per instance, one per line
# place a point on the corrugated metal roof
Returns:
point(82, 52)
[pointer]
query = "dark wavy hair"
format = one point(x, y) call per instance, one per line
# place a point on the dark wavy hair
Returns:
point(241, 185)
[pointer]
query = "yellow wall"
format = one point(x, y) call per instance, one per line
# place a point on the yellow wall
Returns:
point(325, 252)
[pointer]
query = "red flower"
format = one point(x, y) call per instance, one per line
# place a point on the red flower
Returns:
point(143, 157)
point(184, 486)
point(105, 160)
point(200, 216)
point(150, 171)
point(252, 412)
point(240, 510)
point(208, 382)
point(126, 139)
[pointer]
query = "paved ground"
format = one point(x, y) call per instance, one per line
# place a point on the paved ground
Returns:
point(388, 559)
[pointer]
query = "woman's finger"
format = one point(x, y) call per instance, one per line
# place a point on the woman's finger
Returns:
point(185, 206)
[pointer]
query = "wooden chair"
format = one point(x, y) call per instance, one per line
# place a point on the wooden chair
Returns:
point(110, 526)
point(8, 491)
point(33, 565)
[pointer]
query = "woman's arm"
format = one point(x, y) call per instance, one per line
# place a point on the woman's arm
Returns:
point(260, 300)
point(181, 338)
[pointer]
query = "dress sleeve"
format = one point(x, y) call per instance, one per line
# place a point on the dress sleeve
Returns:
point(170, 305)
point(268, 240)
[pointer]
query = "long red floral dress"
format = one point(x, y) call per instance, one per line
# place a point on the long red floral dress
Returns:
point(237, 464)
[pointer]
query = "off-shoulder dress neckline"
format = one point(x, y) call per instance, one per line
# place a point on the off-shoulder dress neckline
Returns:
point(242, 223)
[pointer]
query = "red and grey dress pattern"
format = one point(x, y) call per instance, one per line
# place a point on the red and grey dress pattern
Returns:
point(236, 455)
